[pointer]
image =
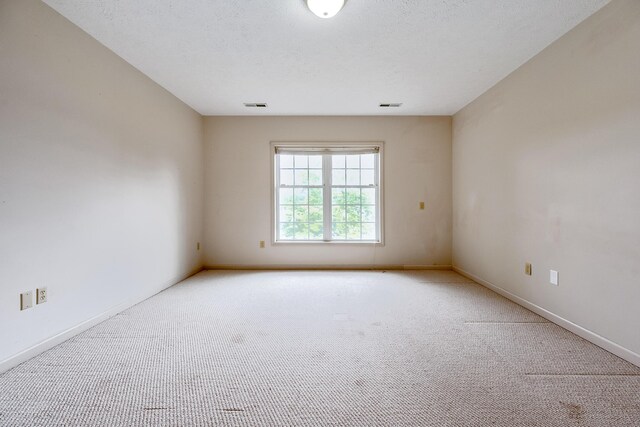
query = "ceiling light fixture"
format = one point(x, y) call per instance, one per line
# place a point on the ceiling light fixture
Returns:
point(325, 8)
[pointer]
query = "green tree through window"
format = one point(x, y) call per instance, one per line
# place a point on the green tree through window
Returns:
point(327, 196)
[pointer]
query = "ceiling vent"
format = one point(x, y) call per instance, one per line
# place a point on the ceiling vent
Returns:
point(391, 105)
point(255, 104)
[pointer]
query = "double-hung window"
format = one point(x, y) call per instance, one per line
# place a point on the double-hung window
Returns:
point(327, 193)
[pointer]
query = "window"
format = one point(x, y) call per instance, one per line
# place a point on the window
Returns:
point(326, 193)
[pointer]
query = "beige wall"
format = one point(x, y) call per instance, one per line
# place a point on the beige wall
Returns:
point(417, 162)
point(100, 179)
point(546, 169)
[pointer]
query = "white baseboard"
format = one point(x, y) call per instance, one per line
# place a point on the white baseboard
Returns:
point(427, 267)
point(588, 335)
point(51, 342)
point(284, 267)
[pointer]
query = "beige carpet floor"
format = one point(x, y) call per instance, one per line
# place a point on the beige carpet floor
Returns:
point(324, 349)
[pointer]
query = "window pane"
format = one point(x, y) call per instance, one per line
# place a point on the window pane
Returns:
point(368, 196)
point(338, 162)
point(353, 213)
point(368, 161)
point(315, 196)
point(286, 196)
point(353, 196)
point(302, 213)
point(302, 231)
point(286, 213)
point(315, 214)
point(286, 177)
point(302, 162)
point(353, 161)
point(287, 231)
point(302, 177)
point(368, 177)
point(315, 177)
point(353, 231)
point(338, 196)
point(368, 213)
point(353, 177)
point(301, 196)
point(316, 231)
point(368, 231)
point(286, 161)
point(316, 162)
point(338, 177)
point(339, 214)
point(339, 230)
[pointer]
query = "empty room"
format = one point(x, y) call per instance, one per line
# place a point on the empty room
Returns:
point(320, 213)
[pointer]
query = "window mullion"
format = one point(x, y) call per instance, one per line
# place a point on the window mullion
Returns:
point(277, 189)
point(326, 196)
point(376, 183)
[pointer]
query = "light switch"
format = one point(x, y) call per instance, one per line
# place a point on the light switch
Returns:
point(26, 300)
point(553, 277)
point(422, 206)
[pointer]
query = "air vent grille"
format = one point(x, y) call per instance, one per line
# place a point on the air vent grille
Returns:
point(255, 104)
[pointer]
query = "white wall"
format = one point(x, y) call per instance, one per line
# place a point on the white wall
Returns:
point(546, 169)
point(417, 163)
point(100, 179)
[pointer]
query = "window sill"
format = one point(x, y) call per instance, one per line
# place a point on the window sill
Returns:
point(335, 242)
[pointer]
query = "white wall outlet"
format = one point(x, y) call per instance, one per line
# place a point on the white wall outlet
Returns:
point(41, 295)
point(553, 277)
point(261, 244)
point(26, 300)
point(527, 269)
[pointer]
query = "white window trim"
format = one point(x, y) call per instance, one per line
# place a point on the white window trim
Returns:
point(327, 189)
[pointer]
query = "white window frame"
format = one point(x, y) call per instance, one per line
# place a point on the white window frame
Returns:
point(324, 148)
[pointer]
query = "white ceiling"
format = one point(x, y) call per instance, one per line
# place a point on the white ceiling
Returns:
point(434, 56)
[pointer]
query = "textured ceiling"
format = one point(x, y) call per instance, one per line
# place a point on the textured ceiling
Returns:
point(434, 56)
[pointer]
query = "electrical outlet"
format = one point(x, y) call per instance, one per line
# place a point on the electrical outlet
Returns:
point(421, 206)
point(261, 244)
point(527, 268)
point(198, 246)
point(26, 300)
point(553, 277)
point(41, 295)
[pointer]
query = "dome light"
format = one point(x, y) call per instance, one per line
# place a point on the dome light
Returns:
point(325, 8)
